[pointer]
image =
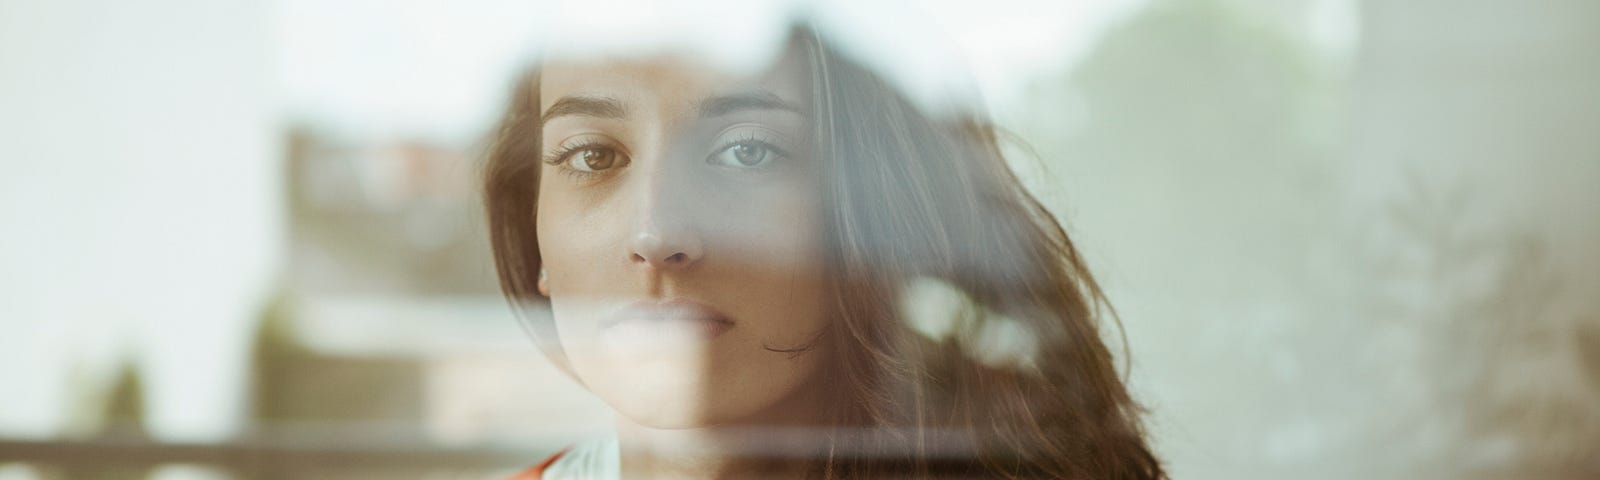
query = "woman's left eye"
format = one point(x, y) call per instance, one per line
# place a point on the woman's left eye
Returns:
point(745, 154)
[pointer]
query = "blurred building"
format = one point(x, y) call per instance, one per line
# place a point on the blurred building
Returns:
point(1347, 239)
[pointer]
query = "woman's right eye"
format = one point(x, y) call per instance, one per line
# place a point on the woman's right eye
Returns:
point(587, 158)
point(593, 159)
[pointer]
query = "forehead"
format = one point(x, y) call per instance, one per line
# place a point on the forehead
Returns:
point(668, 79)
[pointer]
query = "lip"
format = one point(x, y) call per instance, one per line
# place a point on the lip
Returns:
point(705, 321)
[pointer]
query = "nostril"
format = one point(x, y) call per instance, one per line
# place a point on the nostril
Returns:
point(674, 259)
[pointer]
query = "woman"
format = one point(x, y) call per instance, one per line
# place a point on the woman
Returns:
point(725, 257)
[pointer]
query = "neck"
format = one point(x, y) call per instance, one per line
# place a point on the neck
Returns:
point(777, 445)
point(702, 454)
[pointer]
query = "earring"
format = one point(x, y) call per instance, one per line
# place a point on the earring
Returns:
point(543, 284)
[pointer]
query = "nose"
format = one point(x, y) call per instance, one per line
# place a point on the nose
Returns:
point(664, 251)
point(665, 236)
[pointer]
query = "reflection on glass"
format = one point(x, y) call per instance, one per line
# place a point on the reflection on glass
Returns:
point(724, 256)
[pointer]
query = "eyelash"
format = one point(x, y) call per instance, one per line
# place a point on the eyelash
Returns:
point(562, 155)
point(750, 138)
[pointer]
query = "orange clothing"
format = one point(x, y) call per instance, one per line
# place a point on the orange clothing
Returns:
point(537, 471)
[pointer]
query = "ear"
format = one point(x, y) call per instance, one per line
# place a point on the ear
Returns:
point(544, 283)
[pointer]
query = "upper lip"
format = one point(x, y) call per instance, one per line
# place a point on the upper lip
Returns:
point(680, 308)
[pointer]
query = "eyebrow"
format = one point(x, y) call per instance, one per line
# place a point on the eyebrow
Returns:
point(611, 108)
point(598, 107)
point(757, 100)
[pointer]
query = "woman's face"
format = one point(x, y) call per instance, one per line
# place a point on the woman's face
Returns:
point(680, 228)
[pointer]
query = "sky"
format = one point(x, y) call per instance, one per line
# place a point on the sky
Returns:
point(439, 70)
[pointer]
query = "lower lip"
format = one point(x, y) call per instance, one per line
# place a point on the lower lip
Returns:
point(667, 324)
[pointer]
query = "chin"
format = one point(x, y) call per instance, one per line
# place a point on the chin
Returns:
point(701, 401)
point(662, 391)
point(678, 410)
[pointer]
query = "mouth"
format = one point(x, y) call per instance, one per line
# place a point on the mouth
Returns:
point(670, 319)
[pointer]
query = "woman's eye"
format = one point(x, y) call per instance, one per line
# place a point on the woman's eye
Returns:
point(593, 159)
point(745, 154)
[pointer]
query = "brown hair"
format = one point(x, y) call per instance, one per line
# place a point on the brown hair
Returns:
point(911, 196)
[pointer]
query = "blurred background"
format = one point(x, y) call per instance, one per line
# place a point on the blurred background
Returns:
point(1347, 238)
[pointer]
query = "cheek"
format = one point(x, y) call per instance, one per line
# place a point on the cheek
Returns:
point(770, 243)
point(574, 231)
point(777, 229)
point(578, 239)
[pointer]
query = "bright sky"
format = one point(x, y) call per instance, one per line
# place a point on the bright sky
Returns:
point(439, 70)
